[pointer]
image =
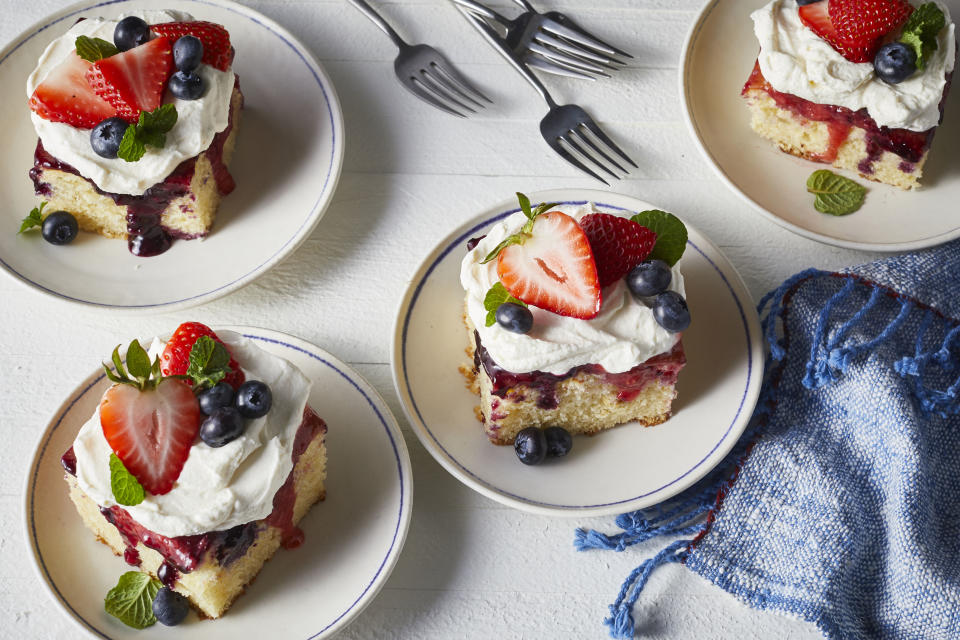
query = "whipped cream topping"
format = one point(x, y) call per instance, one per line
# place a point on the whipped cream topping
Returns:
point(218, 488)
point(622, 336)
point(796, 60)
point(198, 121)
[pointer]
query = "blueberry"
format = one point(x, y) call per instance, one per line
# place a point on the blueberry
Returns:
point(187, 53)
point(224, 426)
point(219, 396)
point(559, 441)
point(106, 136)
point(514, 317)
point(186, 85)
point(531, 446)
point(671, 312)
point(803, 3)
point(253, 399)
point(60, 227)
point(131, 32)
point(170, 607)
point(649, 278)
point(895, 62)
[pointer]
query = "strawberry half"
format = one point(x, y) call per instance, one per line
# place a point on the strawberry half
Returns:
point(134, 81)
point(855, 28)
point(553, 268)
point(151, 430)
point(175, 359)
point(65, 96)
point(217, 51)
point(619, 244)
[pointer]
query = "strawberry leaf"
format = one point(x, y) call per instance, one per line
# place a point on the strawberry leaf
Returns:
point(93, 49)
point(496, 296)
point(138, 362)
point(835, 194)
point(131, 601)
point(126, 489)
point(142, 375)
point(671, 235)
point(525, 205)
point(33, 219)
point(517, 238)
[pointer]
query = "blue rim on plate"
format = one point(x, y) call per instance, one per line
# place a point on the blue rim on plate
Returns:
point(331, 177)
point(376, 405)
point(432, 442)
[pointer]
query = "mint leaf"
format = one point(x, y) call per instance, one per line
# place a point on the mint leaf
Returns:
point(920, 31)
point(495, 297)
point(33, 219)
point(671, 234)
point(126, 489)
point(835, 194)
point(93, 49)
point(150, 129)
point(209, 363)
point(131, 601)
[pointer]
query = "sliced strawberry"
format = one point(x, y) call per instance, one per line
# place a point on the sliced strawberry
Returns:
point(217, 51)
point(134, 81)
point(175, 358)
point(65, 96)
point(151, 431)
point(619, 244)
point(553, 268)
point(855, 28)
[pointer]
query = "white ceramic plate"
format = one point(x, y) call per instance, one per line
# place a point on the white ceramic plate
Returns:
point(718, 56)
point(289, 152)
point(353, 538)
point(626, 468)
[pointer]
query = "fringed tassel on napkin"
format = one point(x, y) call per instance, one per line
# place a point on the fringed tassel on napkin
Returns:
point(915, 369)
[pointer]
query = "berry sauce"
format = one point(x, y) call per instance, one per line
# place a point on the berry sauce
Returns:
point(146, 236)
point(664, 368)
point(909, 145)
point(182, 554)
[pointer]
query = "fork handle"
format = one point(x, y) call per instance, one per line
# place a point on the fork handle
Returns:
point(493, 38)
point(526, 5)
point(484, 11)
point(378, 20)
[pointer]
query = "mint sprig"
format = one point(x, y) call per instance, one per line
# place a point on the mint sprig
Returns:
point(139, 372)
point(126, 489)
point(671, 234)
point(131, 601)
point(209, 363)
point(33, 219)
point(496, 296)
point(835, 194)
point(94, 49)
point(151, 129)
point(920, 31)
point(526, 231)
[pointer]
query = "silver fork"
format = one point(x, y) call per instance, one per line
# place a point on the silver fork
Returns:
point(569, 29)
point(566, 124)
point(426, 73)
point(546, 44)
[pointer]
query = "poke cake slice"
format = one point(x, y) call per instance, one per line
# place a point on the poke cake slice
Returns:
point(574, 319)
point(197, 466)
point(137, 121)
point(858, 84)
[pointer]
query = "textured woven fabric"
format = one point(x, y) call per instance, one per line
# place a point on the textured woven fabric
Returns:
point(841, 504)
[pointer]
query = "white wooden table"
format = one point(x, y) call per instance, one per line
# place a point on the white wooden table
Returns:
point(471, 567)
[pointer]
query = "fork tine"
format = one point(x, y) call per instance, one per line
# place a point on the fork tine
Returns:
point(566, 155)
point(583, 37)
point(576, 50)
point(439, 88)
point(595, 130)
point(448, 78)
point(460, 82)
point(417, 88)
point(570, 140)
point(551, 66)
point(565, 60)
point(593, 145)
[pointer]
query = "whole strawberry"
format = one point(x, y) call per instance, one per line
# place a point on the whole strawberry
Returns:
point(619, 244)
point(175, 359)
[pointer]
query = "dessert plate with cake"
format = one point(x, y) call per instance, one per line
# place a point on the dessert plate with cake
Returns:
point(581, 353)
point(168, 162)
point(774, 91)
point(170, 476)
